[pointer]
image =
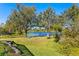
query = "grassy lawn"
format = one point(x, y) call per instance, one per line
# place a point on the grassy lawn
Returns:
point(41, 46)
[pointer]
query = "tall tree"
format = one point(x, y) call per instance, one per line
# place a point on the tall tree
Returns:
point(73, 14)
point(49, 17)
point(28, 14)
point(71, 36)
point(20, 19)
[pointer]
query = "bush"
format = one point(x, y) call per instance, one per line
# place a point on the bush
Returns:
point(57, 27)
point(65, 50)
point(57, 37)
point(68, 45)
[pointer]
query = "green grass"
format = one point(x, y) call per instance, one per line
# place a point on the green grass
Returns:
point(2, 49)
point(24, 51)
point(41, 46)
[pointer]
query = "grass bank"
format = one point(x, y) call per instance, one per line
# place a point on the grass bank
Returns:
point(41, 46)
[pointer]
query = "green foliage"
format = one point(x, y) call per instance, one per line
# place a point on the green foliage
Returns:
point(20, 19)
point(24, 51)
point(57, 27)
point(70, 36)
point(65, 49)
point(6, 50)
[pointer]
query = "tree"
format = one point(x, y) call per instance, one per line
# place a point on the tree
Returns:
point(73, 14)
point(40, 19)
point(27, 14)
point(71, 36)
point(49, 16)
point(20, 19)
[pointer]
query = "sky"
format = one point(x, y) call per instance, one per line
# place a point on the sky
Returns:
point(6, 8)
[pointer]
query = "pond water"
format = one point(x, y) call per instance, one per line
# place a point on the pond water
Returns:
point(36, 34)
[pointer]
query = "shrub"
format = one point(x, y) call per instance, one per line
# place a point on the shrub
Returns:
point(57, 27)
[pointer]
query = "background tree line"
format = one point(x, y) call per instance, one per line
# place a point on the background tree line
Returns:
point(22, 18)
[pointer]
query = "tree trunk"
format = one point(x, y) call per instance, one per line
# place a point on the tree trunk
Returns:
point(26, 32)
point(48, 30)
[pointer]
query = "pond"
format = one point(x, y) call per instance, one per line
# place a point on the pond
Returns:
point(40, 34)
